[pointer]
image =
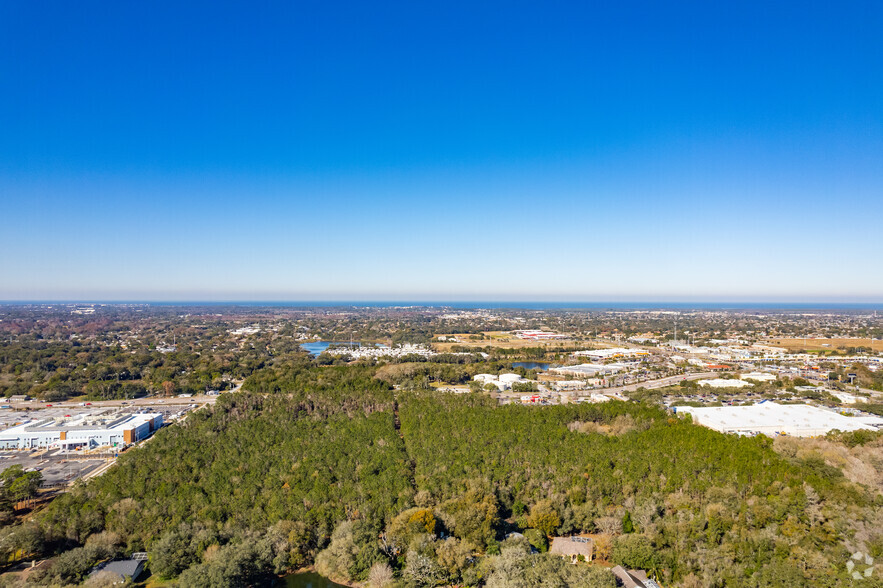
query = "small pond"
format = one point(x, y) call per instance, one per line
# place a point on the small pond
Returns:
point(531, 365)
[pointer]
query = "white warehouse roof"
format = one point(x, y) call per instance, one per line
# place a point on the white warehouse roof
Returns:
point(724, 383)
point(484, 378)
point(759, 376)
point(769, 418)
point(510, 378)
point(610, 353)
point(103, 428)
point(589, 369)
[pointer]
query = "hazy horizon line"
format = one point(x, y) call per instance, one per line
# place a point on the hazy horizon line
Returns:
point(477, 303)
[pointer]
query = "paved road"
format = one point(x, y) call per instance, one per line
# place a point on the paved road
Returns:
point(875, 396)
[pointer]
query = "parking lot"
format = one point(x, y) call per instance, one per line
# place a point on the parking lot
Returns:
point(60, 467)
point(56, 467)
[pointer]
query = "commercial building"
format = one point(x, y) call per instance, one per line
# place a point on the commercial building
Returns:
point(589, 370)
point(771, 419)
point(107, 428)
point(759, 376)
point(502, 382)
point(716, 367)
point(615, 353)
point(724, 383)
point(594, 398)
point(568, 385)
point(511, 378)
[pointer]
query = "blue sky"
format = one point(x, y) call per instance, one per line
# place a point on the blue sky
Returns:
point(447, 151)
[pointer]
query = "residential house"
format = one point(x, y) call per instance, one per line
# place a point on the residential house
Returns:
point(573, 547)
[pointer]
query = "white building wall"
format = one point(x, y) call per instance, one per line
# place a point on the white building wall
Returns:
point(19, 437)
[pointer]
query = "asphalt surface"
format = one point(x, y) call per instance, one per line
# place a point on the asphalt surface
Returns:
point(56, 467)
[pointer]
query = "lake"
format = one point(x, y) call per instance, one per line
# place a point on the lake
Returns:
point(309, 580)
point(531, 365)
point(317, 347)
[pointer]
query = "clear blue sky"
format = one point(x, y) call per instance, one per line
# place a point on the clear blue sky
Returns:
point(441, 150)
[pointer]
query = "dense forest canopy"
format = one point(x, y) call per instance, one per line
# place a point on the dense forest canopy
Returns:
point(430, 485)
point(367, 472)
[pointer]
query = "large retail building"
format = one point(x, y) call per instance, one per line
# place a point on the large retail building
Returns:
point(771, 419)
point(109, 428)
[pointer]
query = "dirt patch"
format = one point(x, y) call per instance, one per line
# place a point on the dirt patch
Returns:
point(619, 426)
point(862, 464)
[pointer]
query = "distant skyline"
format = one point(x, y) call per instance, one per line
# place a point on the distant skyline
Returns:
point(575, 152)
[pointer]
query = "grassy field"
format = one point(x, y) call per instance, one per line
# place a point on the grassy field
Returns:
point(810, 344)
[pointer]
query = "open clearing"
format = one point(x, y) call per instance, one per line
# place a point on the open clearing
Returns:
point(811, 344)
